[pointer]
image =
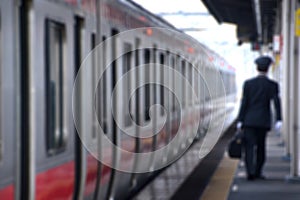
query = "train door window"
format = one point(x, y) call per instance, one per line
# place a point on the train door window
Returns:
point(113, 81)
point(172, 77)
point(202, 84)
point(94, 68)
point(183, 90)
point(232, 84)
point(205, 79)
point(155, 87)
point(147, 86)
point(178, 69)
point(167, 81)
point(126, 67)
point(104, 96)
point(210, 84)
point(137, 98)
point(162, 62)
point(195, 84)
point(55, 58)
point(213, 83)
point(190, 78)
point(225, 80)
point(227, 83)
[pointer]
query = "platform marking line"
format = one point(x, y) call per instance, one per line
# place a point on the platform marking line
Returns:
point(220, 184)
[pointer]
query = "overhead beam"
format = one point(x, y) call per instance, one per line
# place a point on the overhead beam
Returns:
point(181, 13)
point(213, 10)
point(192, 29)
point(256, 4)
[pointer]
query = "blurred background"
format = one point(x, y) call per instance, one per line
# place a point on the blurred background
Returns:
point(193, 18)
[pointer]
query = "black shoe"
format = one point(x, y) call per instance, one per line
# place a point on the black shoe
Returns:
point(261, 177)
point(250, 177)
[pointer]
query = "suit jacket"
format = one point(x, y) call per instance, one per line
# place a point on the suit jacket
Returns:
point(255, 110)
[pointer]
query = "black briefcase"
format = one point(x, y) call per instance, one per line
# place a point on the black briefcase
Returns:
point(235, 146)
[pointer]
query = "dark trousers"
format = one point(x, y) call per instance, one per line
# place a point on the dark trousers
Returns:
point(255, 150)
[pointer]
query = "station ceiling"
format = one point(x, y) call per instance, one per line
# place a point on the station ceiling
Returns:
point(255, 19)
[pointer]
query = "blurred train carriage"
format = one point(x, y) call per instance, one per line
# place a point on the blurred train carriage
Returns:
point(42, 45)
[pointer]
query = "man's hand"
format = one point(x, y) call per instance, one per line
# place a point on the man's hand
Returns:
point(278, 126)
point(239, 125)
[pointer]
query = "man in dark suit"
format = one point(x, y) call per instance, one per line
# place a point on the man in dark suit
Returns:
point(255, 116)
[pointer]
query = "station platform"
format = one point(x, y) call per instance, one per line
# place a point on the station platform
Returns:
point(277, 185)
point(218, 177)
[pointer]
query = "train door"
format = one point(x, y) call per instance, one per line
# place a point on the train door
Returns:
point(177, 105)
point(125, 109)
point(165, 94)
point(208, 95)
point(112, 77)
point(87, 166)
point(174, 103)
point(80, 153)
point(120, 180)
point(202, 96)
point(137, 109)
point(146, 143)
point(197, 89)
point(51, 72)
point(152, 101)
point(105, 173)
point(160, 116)
point(162, 136)
point(144, 99)
point(191, 107)
point(184, 73)
point(9, 104)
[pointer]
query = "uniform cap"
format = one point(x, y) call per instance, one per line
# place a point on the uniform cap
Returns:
point(263, 63)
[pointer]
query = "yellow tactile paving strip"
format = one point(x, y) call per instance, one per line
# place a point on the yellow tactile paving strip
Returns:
point(219, 185)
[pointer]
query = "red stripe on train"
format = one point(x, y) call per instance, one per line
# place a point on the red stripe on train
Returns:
point(56, 183)
point(7, 193)
point(91, 178)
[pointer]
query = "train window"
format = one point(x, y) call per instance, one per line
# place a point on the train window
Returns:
point(147, 86)
point(127, 65)
point(55, 58)
point(162, 62)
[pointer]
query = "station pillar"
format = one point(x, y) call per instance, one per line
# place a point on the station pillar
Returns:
point(295, 168)
point(286, 18)
point(291, 105)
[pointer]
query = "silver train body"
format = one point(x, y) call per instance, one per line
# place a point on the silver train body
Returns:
point(43, 43)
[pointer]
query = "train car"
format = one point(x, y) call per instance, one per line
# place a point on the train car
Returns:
point(43, 44)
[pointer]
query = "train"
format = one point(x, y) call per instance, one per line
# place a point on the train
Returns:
point(50, 145)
